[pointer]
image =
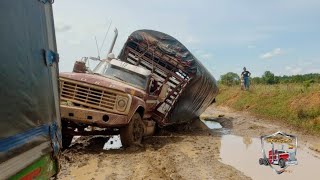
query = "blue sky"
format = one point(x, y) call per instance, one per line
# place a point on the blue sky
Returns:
point(282, 36)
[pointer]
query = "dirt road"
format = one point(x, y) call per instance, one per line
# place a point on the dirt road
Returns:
point(230, 152)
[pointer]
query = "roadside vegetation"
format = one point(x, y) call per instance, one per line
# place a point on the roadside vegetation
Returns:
point(291, 99)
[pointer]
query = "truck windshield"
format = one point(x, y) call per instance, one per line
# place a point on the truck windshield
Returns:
point(125, 75)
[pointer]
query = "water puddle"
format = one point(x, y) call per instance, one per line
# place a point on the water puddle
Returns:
point(245, 158)
point(105, 142)
point(113, 143)
point(212, 124)
point(74, 139)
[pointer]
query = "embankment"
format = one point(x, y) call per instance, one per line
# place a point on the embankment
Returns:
point(294, 104)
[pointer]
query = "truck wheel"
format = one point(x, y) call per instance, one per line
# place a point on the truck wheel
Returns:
point(266, 162)
point(66, 138)
point(261, 161)
point(282, 163)
point(133, 132)
point(66, 141)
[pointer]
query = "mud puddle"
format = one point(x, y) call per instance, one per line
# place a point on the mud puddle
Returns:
point(216, 127)
point(248, 151)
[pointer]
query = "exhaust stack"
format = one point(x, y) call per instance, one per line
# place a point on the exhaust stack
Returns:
point(100, 68)
point(113, 41)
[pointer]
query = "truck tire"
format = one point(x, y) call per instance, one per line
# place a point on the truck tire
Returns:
point(282, 163)
point(133, 132)
point(266, 162)
point(66, 138)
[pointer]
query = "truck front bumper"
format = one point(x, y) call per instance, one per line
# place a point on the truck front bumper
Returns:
point(92, 117)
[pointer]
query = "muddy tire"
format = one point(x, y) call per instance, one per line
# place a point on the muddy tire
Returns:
point(66, 141)
point(66, 138)
point(282, 163)
point(261, 161)
point(133, 132)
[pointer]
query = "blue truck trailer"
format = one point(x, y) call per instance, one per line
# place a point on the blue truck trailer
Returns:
point(30, 136)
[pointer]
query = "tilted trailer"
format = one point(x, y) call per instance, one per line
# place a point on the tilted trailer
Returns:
point(191, 87)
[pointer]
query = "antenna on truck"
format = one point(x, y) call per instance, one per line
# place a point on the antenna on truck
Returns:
point(104, 39)
point(101, 66)
point(114, 40)
point(95, 37)
point(105, 36)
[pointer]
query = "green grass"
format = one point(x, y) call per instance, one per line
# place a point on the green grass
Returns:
point(291, 103)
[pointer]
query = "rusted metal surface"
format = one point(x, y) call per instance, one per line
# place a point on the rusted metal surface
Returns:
point(79, 67)
point(93, 97)
point(103, 82)
point(89, 99)
point(93, 117)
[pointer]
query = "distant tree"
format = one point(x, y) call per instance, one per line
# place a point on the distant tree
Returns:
point(277, 79)
point(256, 80)
point(268, 78)
point(313, 78)
point(230, 79)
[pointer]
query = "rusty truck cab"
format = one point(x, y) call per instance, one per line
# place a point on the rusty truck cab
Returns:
point(108, 98)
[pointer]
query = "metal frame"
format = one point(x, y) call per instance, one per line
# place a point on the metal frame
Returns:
point(165, 68)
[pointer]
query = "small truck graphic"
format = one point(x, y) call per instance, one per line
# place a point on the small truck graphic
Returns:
point(279, 157)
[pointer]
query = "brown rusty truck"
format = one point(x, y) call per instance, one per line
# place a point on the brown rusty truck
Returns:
point(154, 81)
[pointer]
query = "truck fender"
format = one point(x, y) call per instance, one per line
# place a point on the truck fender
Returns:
point(137, 106)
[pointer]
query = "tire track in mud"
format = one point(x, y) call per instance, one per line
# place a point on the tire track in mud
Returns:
point(185, 155)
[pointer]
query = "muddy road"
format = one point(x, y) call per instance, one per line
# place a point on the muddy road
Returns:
point(228, 151)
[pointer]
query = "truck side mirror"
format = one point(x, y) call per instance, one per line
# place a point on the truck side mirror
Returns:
point(163, 92)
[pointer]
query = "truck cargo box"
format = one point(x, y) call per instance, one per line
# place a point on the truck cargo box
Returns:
point(192, 87)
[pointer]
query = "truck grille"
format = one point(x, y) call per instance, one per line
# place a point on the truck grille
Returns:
point(87, 96)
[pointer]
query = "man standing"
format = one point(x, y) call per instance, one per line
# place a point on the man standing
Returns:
point(245, 75)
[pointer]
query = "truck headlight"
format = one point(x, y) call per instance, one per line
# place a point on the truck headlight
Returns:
point(122, 103)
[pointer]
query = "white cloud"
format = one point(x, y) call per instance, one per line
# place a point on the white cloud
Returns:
point(271, 54)
point(303, 67)
point(288, 68)
point(206, 56)
point(294, 69)
point(192, 40)
point(60, 27)
point(202, 55)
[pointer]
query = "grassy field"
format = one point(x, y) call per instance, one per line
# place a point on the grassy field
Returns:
point(295, 104)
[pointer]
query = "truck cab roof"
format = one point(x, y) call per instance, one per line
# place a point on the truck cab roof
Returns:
point(130, 67)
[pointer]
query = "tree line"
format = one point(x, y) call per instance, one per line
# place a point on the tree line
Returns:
point(268, 77)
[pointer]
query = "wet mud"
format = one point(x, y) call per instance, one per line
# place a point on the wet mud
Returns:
point(227, 148)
